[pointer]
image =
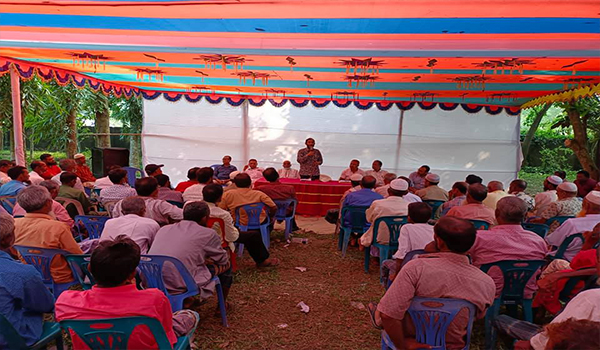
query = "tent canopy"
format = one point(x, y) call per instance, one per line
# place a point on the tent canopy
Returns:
point(487, 52)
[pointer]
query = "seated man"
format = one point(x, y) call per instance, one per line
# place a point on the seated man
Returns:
point(584, 184)
point(244, 195)
point(508, 241)
point(19, 176)
point(58, 211)
point(105, 182)
point(567, 204)
point(204, 176)
point(393, 205)
point(83, 171)
point(68, 190)
point(542, 199)
point(39, 229)
point(192, 180)
point(132, 224)
point(231, 185)
point(387, 178)
point(362, 198)
point(444, 274)
point(52, 168)
point(474, 209)
point(197, 247)
point(495, 193)
point(153, 169)
point(517, 188)
point(473, 179)
point(4, 166)
point(120, 188)
point(458, 194)
point(418, 178)
point(410, 197)
point(253, 170)
point(113, 265)
point(352, 170)
point(355, 180)
point(23, 296)
point(38, 168)
point(68, 165)
point(164, 189)
point(222, 171)
point(432, 191)
point(156, 209)
point(252, 240)
point(276, 190)
point(287, 172)
point(414, 235)
point(377, 172)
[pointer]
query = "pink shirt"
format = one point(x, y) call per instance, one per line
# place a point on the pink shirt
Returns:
point(473, 211)
point(122, 301)
point(59, 211)
point(508, 242)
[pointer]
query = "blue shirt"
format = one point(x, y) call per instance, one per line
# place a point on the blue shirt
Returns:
point(11, 188)
point(361, 198)
point(222, 172)
point(23, 298)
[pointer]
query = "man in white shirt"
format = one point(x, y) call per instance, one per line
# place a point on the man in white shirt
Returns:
point(387, 178)
point(287, 172)
point(585, 221)
point(212, 194)
point(495, 193)
point(253, 170)
point(352, 169)
point(71, 166)
point(377, 172)
point(37, 169)
point(4, 166)
point(133, 224)
point(549, 195)
point(194, 193)
point(410, 197)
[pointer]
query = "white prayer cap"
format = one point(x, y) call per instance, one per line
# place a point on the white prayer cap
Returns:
point(399, 185)
point(435, 178)
point(324, 178)
point(78, 155)
point(555, 180)
point(568, 187)
point(233, 174)
point(593, 197)
point(356, 177)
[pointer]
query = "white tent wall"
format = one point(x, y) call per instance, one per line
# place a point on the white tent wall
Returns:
point(454, 143)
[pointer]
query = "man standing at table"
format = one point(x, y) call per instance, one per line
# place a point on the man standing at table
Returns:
point(309, 159)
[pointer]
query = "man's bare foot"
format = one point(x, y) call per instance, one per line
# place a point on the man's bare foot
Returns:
point(271, 262)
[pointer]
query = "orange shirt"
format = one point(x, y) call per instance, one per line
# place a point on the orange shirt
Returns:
point(242, 196)
point(84, 173)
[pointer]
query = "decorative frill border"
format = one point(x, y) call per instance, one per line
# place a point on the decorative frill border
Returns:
point(569, 95)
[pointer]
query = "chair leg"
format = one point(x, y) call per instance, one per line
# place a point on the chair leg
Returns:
point(266, 236)
point(367, 259)
point(345, 242)
point(59, 342)
point(527, 311)
point(340, 239)
point(240, 250)
point(222, 307)
point(288, 228)
point(383, 254)
point(490, 330)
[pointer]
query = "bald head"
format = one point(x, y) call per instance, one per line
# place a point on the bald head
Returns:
point(511, 211)
point(457, 235)
point(368, 182)
point(517, 186)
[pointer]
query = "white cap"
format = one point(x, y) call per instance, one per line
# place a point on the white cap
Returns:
point(555, 180)
point(568, 187)
point(78, 155)
point(435, 178)
point(233, 174)
point(324, 178)
point(399, 185)
point(593, 197)
point(356, 177)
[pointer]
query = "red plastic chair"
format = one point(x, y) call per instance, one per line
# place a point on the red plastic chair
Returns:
point(211, 222)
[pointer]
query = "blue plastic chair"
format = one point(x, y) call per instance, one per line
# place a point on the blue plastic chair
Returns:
point(281, 214)
point(8, 203)
point(559, 219)
point(132, 175)
point(151, 269)
point(80, 267)
point(94, 225)
point(516, 274)
point(41, 259)
point(51, 331)
point(435, 205)
point(565, 293)
point(560, 253)
point(432, 317)
point(114, 333)
point(215, 166)
point(480, 224)
point(175, 203)
point(253, 211)
point(394, 224)
point(358, 225)
point(540, 229)
point(408, 257)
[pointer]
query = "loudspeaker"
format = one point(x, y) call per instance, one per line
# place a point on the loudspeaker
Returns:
point(104, 158)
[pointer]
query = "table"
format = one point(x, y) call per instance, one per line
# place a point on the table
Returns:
point(316, 197)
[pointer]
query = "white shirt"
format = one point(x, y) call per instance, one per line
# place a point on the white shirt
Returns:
point(4, 178)
point(288, 173)
point(413, 236)
point(543, 199)
point(255, 173)
point(570, 227)
point(78, 184)
point(378, 175)
point(35, 178)
point(193, 193)
point(141, 230)
point(391, 206)
point(584, 306)
point(412, 198)
point(103, 182)
point(231, 232)
point(157, 209)
point(345, 175)
point(492, 199)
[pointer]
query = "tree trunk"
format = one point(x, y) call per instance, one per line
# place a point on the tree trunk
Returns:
point(135, 151)
point(532, 129)
point(103, 124)
point(579, 144)
point(71, 148)
point(12, 143)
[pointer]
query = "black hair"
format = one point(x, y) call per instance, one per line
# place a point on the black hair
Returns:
point(242, 180)
point(44, 156)
point(15, 172)
point(473, 179)
point(162, 179)
point(584, 173)
point(117, 175)
point(67, 177)
point(113, 261)
point(461, 187)
point(205, 174)
point(196, 211)
point(368, 182)
point(212, 193)
point(426, 167)
point(419, 212)
point(270, 174)
point(458, 234)
point(192, 173)
point(478, 192)
point(146, 186)
point(36, 164)
point(562, 174)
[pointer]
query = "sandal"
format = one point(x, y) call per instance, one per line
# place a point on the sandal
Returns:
point(371, 308)
point(271, 262)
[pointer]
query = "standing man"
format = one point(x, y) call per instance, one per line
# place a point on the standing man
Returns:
point(584, 184)
point(38, 168)
point(377, 172)
point(222, 171)
point(309, 159)
point(83, 171)
point(287, 172)
point(352, 170)
point(418, 177)
point(53, 169)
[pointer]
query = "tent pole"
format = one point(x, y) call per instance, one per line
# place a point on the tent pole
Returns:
point(399, 140)
point(15, 85)
point(245, 131)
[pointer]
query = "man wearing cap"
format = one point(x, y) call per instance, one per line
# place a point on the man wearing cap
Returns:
point(287, 172)
point(223, 171)
point(474, 209)
point(393, 205)
point(361, 198)
point(495, 193)
point(458, 194)
point(549, 195)
point(585, 221)
point(153, 169)
point(83, 171)
point(432, 191)
point(418, 177)
point(566, 205)
point(377, 172)
point(517, 188)
point(355, 180)
point(352, 170)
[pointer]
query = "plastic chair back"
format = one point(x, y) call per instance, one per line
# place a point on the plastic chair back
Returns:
point(480, 224)
point(410, 255)
point(80, 267)
point(540, 229)
point(560, 253)
point(215, 166)
point(435, 205)
point(282, 208)
point(516, 275)
point(559, 219)
point(94, 225)
point(151, 268)
point(132, 175)
point(221, 232)
point(8, 203)
point(253, 211)
point(394, 224)
point(114, 333)
point(357, 216)
point(13, 339)
point(68, 201)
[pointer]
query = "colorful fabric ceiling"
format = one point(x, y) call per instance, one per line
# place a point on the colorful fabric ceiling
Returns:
point(485, 52)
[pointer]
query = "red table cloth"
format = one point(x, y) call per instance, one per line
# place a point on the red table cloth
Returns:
point(316, 197)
